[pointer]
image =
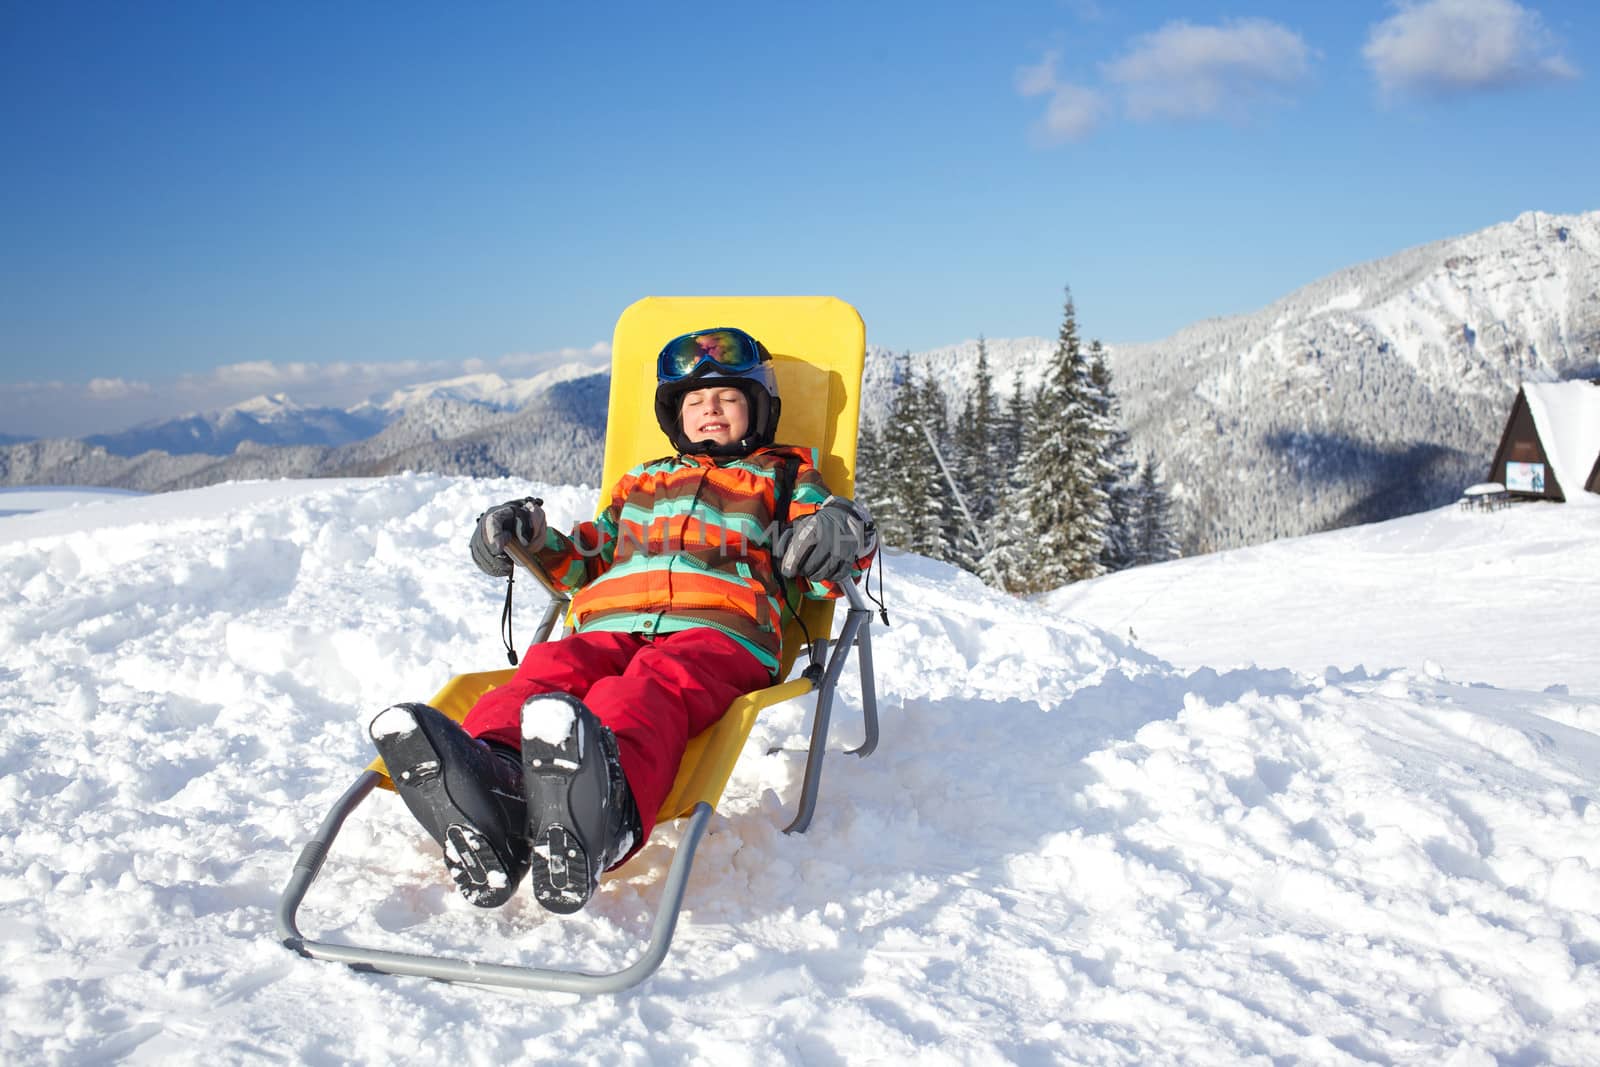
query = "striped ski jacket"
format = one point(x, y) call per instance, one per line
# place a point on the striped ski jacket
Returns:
point(686, 541)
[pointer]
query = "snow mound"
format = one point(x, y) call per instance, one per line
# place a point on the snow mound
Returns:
point(1067, 848)
point(48, 497)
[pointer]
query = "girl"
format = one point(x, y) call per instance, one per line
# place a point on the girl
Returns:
point(678, 595)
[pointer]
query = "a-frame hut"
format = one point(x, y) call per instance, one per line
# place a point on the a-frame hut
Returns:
point(1550, 448)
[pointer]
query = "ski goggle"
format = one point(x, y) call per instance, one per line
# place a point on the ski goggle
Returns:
point(727, 349)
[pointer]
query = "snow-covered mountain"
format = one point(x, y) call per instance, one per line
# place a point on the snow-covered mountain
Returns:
point(434, 410)
point(1099, 828)
point(262, 420)
point(552, 430)
point(551, 424)
point(1377, 391)
point(488, 390)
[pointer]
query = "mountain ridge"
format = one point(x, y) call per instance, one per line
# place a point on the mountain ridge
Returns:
point(559, 432)
point(1377, 390)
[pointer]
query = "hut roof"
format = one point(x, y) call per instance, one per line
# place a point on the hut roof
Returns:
point(1567, 417)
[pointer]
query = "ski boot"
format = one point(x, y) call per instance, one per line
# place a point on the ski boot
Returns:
point(466, 793)
point(581, 814)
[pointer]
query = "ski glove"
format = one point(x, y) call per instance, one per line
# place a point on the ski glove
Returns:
point(519, 520)
point(825, 545)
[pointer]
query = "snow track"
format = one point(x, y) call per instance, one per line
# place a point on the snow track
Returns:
point(1067, 848)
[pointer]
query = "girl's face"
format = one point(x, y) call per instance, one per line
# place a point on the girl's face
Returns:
point(720, 414)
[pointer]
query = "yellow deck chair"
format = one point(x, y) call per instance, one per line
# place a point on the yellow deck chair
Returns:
point(818, 346)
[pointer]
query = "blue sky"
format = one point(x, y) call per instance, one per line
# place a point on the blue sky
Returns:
point(205, 201)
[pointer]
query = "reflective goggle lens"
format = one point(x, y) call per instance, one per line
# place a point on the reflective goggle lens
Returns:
point(732, 350)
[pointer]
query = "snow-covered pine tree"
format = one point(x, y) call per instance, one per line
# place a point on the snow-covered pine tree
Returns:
point(1009, 556)
point(869, 466)
point(964, 447)
point(1013, 433)
point(1155, 540)
point(1120, 483)
point(888, 502)
point(977, 469)
point(912, 515)
point(934, 416)
point(877, 483)
point(1065, 466)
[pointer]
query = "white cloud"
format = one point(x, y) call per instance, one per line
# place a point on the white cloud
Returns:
point(1073, 111)
point(115, 388)
point(104, 405)
point(1184, 71)
point(336, 377)
point(531, 362)
point(1040, 78)
point(1181, 71)
point(1455, 45)
point(1085, 10)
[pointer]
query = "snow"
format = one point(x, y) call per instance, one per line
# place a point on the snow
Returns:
point(392, 722)
point(487, 388)
point(1567, 416)
point(20, 501)
point(1348, 300)
point(266, 407)
point(547, 720)
point(1327, 800)
point(1498, 598)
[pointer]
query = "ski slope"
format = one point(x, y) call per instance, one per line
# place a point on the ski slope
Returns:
point(1327, 801)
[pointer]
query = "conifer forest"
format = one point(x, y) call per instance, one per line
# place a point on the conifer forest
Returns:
point(1029, 488)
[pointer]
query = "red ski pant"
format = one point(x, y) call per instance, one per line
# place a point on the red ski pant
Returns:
point(653, 692)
